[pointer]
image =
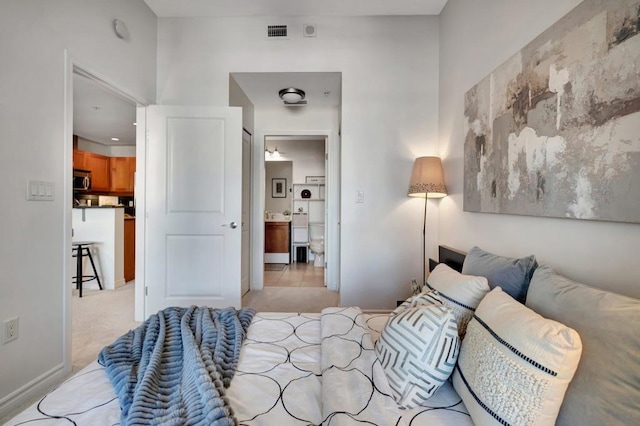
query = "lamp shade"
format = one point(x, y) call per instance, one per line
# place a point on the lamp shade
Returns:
point(427, 179)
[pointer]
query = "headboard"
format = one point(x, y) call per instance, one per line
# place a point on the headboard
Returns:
point(450, 257)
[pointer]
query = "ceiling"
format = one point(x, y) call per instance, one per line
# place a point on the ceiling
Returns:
point(99, 115)
point(225, 8)
point(321, 89)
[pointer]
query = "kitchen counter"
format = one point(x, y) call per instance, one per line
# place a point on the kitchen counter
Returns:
point(105, 226)
point(98, 207)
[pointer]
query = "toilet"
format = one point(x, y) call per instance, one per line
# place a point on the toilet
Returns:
point(316, 232)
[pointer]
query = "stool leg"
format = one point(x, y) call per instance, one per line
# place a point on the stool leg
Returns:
point(79, 270)
point(93, 265)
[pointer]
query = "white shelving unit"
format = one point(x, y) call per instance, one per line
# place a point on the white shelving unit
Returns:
point(306, 211)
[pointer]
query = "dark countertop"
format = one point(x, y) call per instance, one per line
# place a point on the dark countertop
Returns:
point(98, 207)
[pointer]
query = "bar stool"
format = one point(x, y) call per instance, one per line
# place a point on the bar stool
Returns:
point(78, 251)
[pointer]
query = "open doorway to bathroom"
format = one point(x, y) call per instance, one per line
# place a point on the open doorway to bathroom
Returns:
point(295, 211)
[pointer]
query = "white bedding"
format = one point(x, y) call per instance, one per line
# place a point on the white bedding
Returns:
point(279, 380)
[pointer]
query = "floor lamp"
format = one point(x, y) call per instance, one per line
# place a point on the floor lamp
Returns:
point(427, 180)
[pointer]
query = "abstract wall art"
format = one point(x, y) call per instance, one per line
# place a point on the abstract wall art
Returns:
point(555, 130)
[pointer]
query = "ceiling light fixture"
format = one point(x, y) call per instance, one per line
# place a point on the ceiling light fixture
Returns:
point(115, 139)
point(292, 96)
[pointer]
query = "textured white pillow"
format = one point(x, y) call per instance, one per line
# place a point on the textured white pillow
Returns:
point(461, 293)
point(418, 349)
point(514, 365)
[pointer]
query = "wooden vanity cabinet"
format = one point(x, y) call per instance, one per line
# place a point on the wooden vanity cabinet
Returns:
point(276, 237)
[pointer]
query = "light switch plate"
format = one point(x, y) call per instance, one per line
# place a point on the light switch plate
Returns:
point(359, 196)
point(38, 190)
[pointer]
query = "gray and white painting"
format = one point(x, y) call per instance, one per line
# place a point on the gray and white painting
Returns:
point(555, 130)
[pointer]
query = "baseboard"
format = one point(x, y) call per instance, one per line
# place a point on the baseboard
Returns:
point(21, 398)
point(119, 283)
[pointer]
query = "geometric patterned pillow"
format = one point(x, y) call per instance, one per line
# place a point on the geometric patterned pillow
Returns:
point(514, 365)
point(461, 293)
point(422, 299)
point(418, 349)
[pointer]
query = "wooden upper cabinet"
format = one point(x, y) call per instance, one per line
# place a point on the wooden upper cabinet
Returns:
point(79, 159)
point(109, 174)
point(122, 172)
point(99, 166)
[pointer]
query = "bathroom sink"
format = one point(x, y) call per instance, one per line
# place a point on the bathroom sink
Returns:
point(277, 217)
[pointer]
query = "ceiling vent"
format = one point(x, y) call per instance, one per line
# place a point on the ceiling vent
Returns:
point(277, 32)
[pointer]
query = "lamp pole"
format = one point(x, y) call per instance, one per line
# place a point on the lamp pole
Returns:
point(424, 240)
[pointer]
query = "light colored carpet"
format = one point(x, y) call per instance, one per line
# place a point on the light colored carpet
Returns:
point(100, 317)
point(97, 319)
point(290, 299)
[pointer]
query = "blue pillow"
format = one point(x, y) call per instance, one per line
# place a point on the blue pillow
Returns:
point(511, 274)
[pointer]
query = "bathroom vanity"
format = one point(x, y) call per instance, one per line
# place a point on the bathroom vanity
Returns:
point(277, 241)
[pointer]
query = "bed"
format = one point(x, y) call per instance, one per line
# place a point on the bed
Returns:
point(278, 381)
point(326, 368)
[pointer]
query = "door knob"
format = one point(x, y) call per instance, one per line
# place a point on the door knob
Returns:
point(232, 225)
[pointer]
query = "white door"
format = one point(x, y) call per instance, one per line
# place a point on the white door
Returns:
point(246, 210)
point(194, 180)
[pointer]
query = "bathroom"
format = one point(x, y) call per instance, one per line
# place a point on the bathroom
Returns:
point(295, 211)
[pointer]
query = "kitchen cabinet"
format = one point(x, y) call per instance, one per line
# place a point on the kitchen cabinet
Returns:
point(129, 249)
point(122, 174)
point(79, 159)
point(99, 166)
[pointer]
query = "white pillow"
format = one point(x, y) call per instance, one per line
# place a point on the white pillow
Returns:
point(418, 349)
point(461, 293)
point(514, 365)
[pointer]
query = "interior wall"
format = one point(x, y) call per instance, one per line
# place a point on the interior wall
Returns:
point(33, 37)
point(238, 98)
point(389, 69)
point(307, 157)
point(106, 150)
point(477, 37)
point(278, 170)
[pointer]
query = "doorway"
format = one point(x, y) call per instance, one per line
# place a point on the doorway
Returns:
point(295, 218)
point(101, 135)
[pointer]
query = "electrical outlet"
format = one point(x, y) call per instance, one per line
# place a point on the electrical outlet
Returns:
point(11, 331)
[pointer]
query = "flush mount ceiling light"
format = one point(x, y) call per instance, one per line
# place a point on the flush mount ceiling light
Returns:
point(292, 96)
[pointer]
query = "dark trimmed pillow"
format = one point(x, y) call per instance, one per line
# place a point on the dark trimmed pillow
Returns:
point(606, 387)
point(418, 349)
point(511, 274)
point(514, 365)
point(461, 293)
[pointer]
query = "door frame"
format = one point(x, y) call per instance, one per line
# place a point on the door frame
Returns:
point(73, 65)
point(333, 204)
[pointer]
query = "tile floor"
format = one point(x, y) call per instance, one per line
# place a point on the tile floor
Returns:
point(295, 275)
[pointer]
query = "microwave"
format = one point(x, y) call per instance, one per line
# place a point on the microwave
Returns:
point(81, 180)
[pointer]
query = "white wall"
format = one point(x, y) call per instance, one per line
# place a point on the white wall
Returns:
point(278, 169)
point(33, 37)
point(106, 150)
point(389, 107)
point(307, 157)
point(238, 98)
point(477, 37)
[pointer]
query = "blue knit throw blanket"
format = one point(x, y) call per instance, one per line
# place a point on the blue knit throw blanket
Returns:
point(175, 367)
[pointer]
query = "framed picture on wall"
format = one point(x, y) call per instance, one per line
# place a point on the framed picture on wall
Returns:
point(279, 188)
